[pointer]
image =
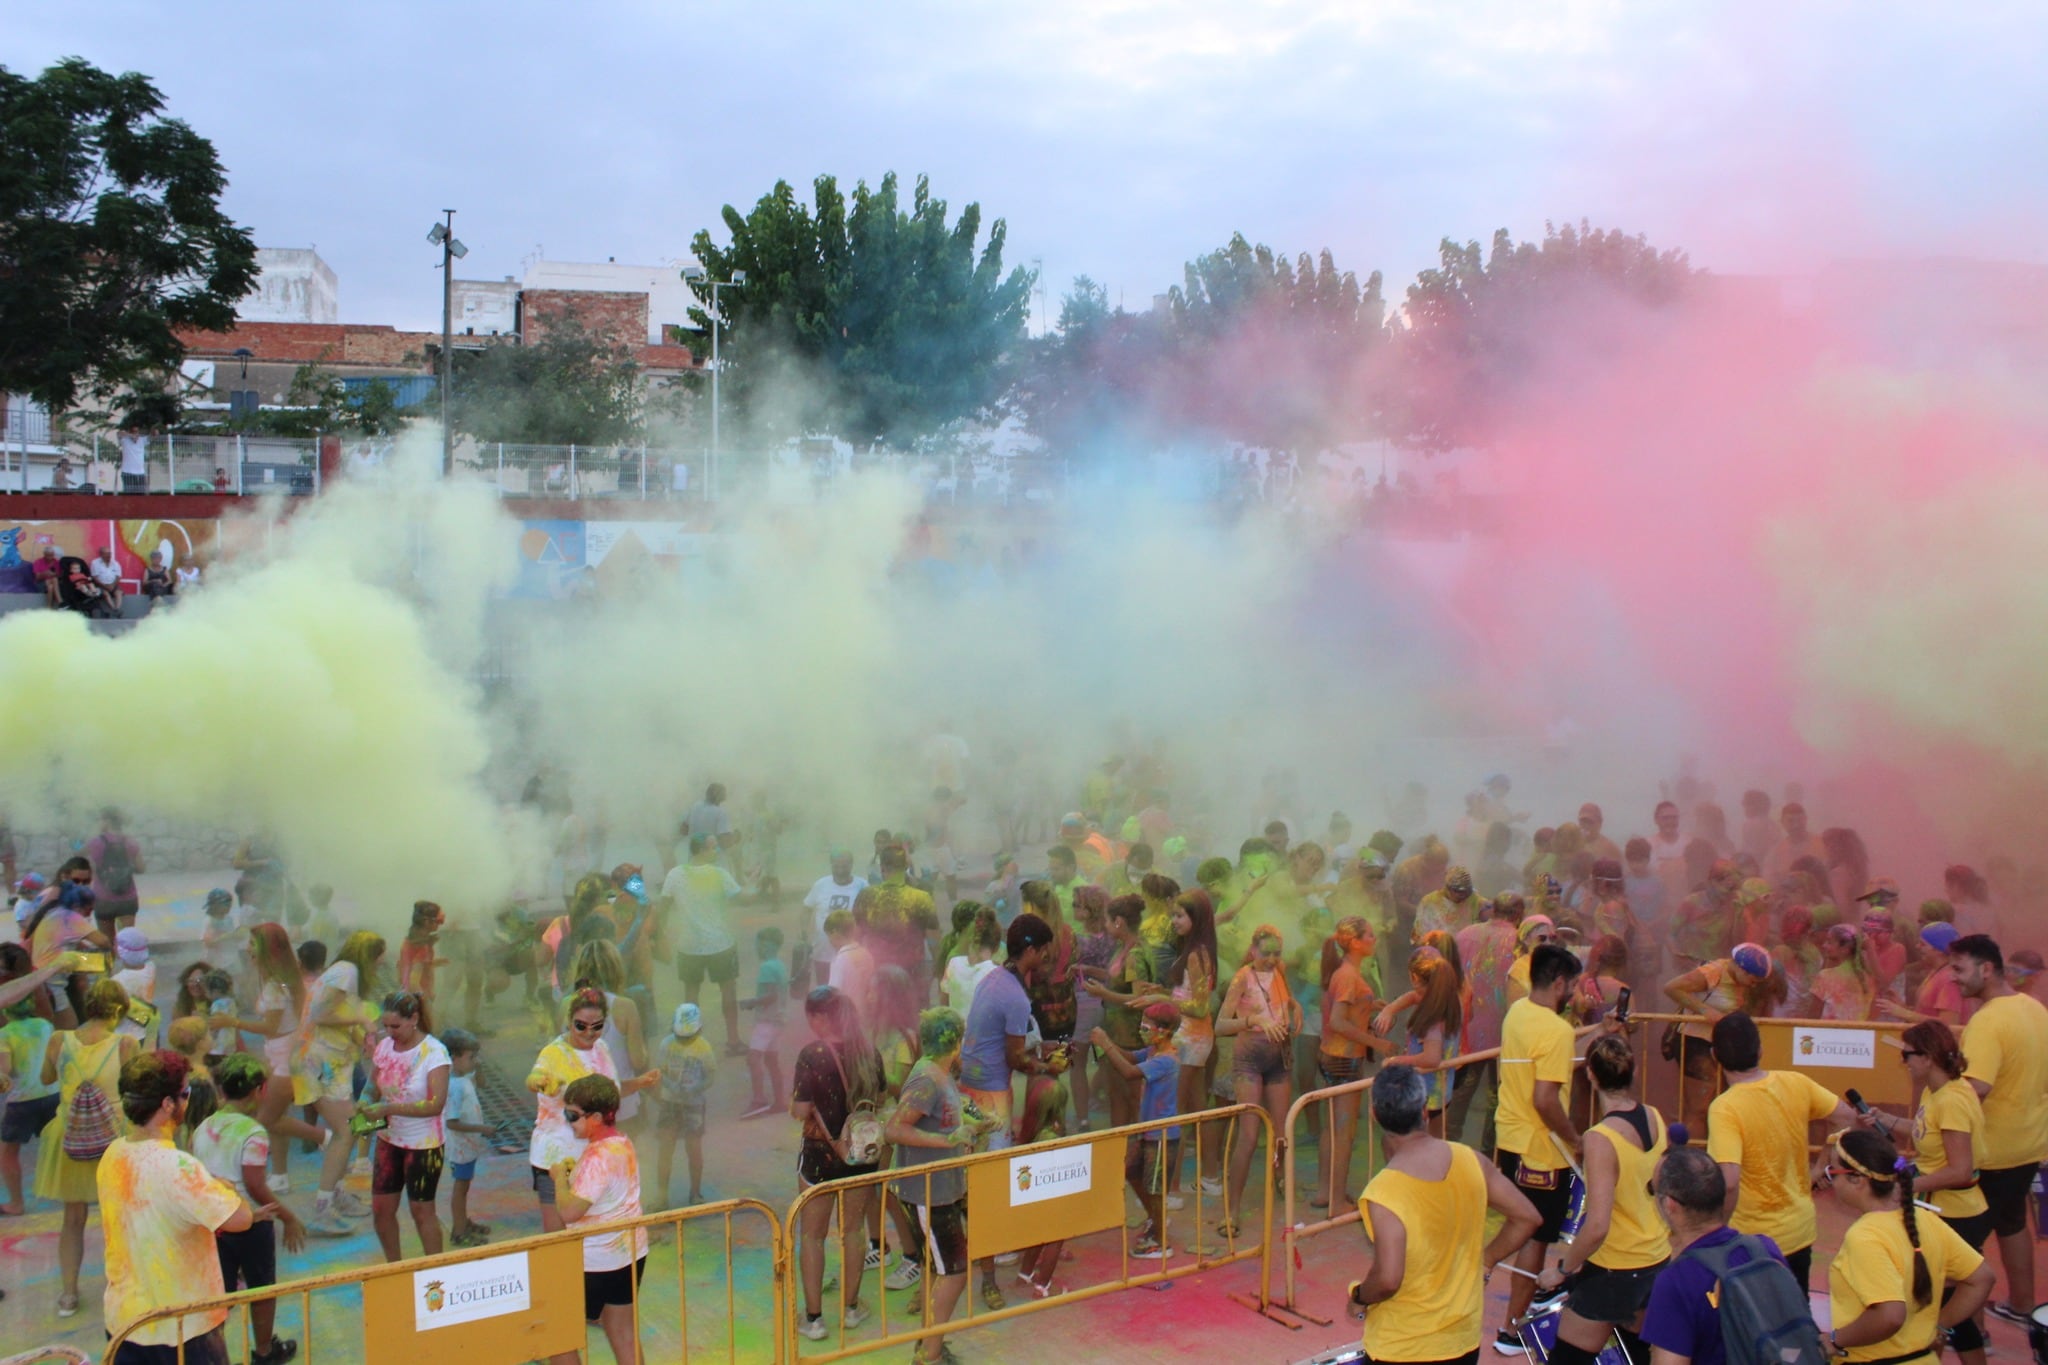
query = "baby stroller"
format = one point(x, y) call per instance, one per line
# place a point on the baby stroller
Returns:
point(78, 592)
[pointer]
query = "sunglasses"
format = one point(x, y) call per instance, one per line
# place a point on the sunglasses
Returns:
point(581, 1027)
point(1908, 1054)
point(572, 1115)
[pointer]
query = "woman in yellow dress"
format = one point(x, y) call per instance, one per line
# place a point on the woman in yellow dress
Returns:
point(91, 1053)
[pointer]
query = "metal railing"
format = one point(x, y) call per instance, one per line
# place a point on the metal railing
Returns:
point(1226, 1251)
point(661, 1337)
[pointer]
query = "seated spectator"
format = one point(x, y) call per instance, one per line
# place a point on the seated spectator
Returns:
point(188, 577)
point(107, 574)
point(49, 572)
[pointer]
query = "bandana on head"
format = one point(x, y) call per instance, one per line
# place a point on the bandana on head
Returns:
point(1752, 958)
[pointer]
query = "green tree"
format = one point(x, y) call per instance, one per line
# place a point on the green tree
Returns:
point(111, 235)
point(568, 388)
point(861, 316)
point(1476, 329)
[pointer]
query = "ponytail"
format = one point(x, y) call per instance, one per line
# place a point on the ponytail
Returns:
point(1878, 1162)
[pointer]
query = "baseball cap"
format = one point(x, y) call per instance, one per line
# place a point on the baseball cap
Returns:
point(689, 1021)
point(131, 945)
point(1880, 886)
point(30, 884)
point(2024, 964)
point(1751, 891)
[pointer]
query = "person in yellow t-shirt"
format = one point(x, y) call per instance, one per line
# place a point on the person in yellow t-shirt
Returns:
point(1898, 1278)
point(1612, 1264)
point(1946, 1135)
point(1756, 1130)
point(1537, 1141)
point(2006, 1041)
point(1425, 1215)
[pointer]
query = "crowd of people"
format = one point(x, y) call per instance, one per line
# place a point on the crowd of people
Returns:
point(1134, 976)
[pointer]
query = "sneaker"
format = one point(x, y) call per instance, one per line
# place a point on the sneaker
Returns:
point(67, 1305)
point(282, 1184)
point(329, 1224)
point(1212, 1184)
point(1509, 1344)
point(1148, 1249)
point(877, 1257)
point(812, 1329)
point(759, 1111)
point(906, 1274)
point(855, 1316)
point(281, 1350)
point(1176, 1202)
point(349, 1206)
point(2002, 1309)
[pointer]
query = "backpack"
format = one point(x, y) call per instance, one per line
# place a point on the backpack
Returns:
point(1765, 1316)
point(859, 1139)
point(89, 1127)
point(116, 868)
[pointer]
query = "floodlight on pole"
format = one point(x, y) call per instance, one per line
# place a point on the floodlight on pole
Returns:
point(443, 235)
point(696, 274)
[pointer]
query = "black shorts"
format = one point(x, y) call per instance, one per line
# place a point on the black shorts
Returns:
point(818, 1162)
point(1974, 1230)
point(941, 1230)
point(2008, 1192)
point(604, 1289)
point(416, 1171)
point(208, 1349)
point(24, 1120)
point(1257, 1057)
point(723, 968)
point(1552, 1204)
point(1147, 1161)
point(1470, 1357)
point(1696, 1055)
point(248, 1259)
point(1612, 1296)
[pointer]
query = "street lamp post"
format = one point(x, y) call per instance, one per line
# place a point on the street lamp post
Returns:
point(443, 235)
point(695, 274)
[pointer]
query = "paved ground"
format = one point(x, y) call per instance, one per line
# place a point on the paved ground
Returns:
point(1193, 1319)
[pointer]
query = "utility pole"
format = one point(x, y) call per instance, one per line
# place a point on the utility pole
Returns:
point(443, 236)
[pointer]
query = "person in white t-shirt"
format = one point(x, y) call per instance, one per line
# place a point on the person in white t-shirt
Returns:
point(409, 1089)
point(603, 1186)
point(835, 891)
point(134, 462)
point(107, 573)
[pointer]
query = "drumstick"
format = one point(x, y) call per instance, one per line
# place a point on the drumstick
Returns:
point(1517, 1270)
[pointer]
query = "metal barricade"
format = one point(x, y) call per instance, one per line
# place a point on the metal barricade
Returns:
point(664, 1327)
point(1292, 1231)
point(1229, 1250)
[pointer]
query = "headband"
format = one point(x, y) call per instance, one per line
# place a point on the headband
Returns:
point(1899, 1167)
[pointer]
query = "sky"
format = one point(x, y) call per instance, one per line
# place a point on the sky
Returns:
point(1118, 138)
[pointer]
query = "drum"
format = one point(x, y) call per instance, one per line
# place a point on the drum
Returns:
point(2037, 1335)
point(1538, 1331)
point(1575, 1207)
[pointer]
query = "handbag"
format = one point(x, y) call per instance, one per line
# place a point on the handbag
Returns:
point(1668, 1046)
point(859, 1140)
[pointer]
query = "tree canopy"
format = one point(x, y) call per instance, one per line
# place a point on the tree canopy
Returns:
point(111, 234)
point(859, 315)
point(567, 388)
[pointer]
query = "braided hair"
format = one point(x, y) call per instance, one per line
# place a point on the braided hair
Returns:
point(1878, 1162)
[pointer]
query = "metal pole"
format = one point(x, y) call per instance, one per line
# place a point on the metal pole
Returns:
point(501, 469)
point(447, 341)
point(241, 465)
point(716, 318)
point(573, 492)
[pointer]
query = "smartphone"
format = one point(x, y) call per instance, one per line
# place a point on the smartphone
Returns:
point(89, 962)
point(1621, 1006)
point(1856, 1101)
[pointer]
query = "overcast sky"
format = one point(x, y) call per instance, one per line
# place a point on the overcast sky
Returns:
point(1118, 138)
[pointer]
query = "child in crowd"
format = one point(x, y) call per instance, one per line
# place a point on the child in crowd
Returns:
point(416, 960)
point(189, 1038)
point(1148, 1160)
point(688, 1066)
point(468, 1135)
point(234, 1147)
point(764, 1054)
point(30, 1104)
point(222, 1014)
point(137, 976)
point(853, 966)
point(218, 941)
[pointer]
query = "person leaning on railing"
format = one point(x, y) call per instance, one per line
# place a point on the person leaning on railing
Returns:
point(602, 1185)
point(1424, 1216)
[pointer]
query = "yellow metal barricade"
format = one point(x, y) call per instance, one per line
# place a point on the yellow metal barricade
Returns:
point(1838, 1054)
point(990, 1173)
point(542, 1277)
point(1292, 1231)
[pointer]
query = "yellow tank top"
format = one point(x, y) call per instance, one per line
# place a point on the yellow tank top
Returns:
point(1636, 1236)
point(1435, 1314)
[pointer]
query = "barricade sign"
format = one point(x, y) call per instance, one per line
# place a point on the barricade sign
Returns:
point(1045, 1196)
point(521, 1306)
